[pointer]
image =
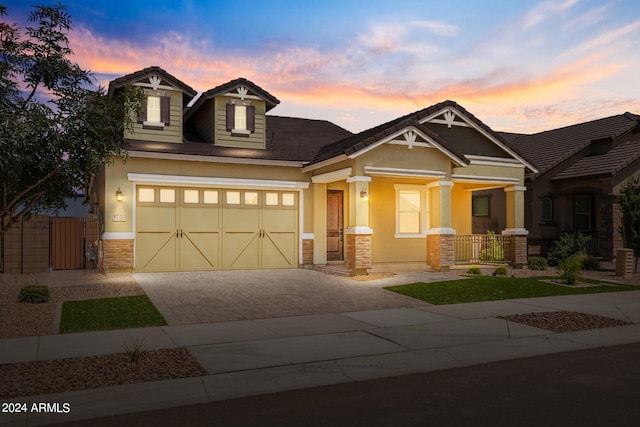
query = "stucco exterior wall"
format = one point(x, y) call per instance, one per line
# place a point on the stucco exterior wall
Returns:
point(385, 246)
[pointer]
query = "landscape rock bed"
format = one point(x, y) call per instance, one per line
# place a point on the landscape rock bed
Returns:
point(564, 321)
point(80, 373)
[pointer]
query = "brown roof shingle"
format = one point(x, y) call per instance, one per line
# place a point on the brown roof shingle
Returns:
point(288, 138)
point(547, 149)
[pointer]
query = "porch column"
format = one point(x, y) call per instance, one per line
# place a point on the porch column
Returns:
point(515, 224)
point(319, 223)
point(440, 236)
point(358, 235)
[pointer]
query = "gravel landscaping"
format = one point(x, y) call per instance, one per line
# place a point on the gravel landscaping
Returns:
point(564, 321)
point(57, 376)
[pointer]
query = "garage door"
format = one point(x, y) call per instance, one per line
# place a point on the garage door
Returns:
point(188, 229)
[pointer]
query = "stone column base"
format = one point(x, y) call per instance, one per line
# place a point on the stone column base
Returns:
point(358, 253)
point(117, 255)
point(440, 251)
point(307, 253)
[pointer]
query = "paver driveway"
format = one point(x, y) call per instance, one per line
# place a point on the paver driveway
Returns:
point(219, 296)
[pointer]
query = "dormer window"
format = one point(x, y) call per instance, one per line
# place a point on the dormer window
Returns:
point(241, 118)
point(156, 111)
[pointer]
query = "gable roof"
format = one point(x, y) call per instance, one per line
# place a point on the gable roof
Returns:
point(420, 121)
point(148, 72)
point(603, 165)
point(288, 139)
point(253, 89)
point(548, 149)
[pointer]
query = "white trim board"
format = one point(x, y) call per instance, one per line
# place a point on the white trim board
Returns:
point(205, 181)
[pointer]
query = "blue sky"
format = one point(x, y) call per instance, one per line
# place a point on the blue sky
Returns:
point(521, 66)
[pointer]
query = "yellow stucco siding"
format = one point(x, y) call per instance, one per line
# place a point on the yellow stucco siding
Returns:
point(171, 133)
point(224, 138)
point(461, 210)
point(386, 247)
point(485, 171)
point(399, 156)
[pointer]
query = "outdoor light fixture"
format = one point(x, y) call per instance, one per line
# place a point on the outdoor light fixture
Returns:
point(118, 195)
point(364, 194)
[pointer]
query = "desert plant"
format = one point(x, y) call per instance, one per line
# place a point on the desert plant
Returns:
point(500, 271)
point(570, 270)
point(475, 270)
point(135, 348)
point(34, 294)
point(537, 263)
point(568, 245)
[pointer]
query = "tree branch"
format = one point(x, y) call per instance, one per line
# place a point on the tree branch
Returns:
point(6, 208)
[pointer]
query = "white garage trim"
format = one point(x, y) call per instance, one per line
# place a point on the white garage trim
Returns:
point(112, 235)
point(204, 181)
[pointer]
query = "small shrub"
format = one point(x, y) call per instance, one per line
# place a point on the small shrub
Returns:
point(474, 269)
point(568, 245)
point(494, 250)
point(500, 271)
point(135, 348)
point(34, 294)
point(570, 270)
point(537, 263)
point(589, 262)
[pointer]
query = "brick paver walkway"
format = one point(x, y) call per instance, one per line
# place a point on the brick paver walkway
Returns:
point(219, 296)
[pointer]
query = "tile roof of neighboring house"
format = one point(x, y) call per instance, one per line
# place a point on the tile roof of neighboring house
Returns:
point(289, 139)
point(359, 141)
point(271, 100)
point(606, 164)
point(547, 149)
point(140, 75)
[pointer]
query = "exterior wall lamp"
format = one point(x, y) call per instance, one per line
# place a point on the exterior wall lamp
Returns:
point(364, 194)
point(118, 195)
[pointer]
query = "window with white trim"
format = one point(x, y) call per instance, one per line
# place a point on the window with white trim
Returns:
point(241, 117)
point(156, 110)
point(411, 210)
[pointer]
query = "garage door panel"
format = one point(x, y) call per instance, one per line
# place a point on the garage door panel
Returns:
point(280, 220)
point(157, 252)
point(241, 250)
point(160, 218)
point(279, 250)
point(199, 251)
point(200, 219)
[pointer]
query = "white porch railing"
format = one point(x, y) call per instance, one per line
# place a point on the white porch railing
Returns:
point(482, 248)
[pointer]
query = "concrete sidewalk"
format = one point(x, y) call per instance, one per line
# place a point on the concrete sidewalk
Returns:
point(251, 357)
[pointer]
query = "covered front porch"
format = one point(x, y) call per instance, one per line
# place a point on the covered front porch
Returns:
point(393, 218)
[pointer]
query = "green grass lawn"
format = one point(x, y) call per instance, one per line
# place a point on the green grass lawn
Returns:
point(497, 288)
point(109, 313)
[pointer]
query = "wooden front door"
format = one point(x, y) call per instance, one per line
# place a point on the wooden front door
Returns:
point(334, 225)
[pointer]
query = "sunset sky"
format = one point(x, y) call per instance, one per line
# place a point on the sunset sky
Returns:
point(521, 66)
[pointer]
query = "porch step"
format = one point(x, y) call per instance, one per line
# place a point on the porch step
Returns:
point(334, 269)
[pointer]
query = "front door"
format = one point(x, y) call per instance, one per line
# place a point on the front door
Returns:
point(334, 225)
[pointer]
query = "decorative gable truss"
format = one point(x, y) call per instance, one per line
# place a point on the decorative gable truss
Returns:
point(452, 117)
point(240, 114)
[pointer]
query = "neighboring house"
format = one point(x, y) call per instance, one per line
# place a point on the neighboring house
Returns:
point(581, 169)
point(222, 185)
